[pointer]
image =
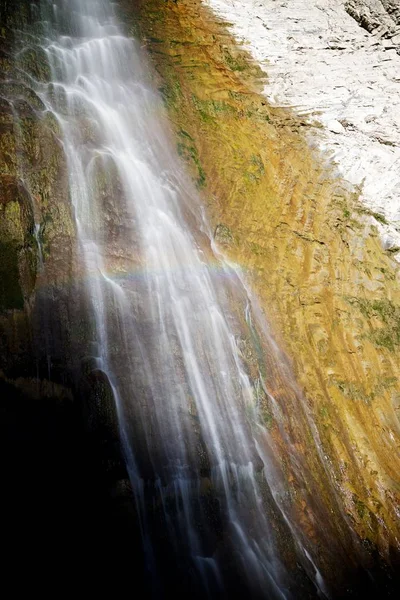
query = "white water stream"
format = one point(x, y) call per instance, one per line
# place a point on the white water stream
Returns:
point(164, 335)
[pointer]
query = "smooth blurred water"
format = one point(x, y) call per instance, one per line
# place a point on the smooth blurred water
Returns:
point(165, 332)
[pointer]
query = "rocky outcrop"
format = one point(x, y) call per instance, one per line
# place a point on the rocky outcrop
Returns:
point(379, 16)
point(63, 477)
point(342, 80)
point(37, 230)
point(312, 252)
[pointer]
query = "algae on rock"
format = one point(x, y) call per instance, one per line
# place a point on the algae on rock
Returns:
point(306, 248)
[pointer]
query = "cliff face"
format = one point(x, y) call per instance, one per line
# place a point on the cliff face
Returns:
point(311, 252)
point(37, 230)
point(60, 457)
point(309, 249)
point(340, 68)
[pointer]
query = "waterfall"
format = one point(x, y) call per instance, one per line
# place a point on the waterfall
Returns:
point(166, 332)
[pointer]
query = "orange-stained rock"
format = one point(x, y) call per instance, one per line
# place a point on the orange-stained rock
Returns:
point(329, 291)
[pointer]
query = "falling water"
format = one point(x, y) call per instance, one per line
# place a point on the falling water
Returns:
point(166, 336)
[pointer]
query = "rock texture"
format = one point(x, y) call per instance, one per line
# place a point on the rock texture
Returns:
point(305, 243)
point(340, 75)
point(37, 230)
point(62, 475)
point(377, 16)
point(329, 290)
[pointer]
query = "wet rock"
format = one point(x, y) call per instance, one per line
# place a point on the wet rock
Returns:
point(17, 247)
point(223, 235)
point(33, 61)
point(45, 332)
point(308, 247)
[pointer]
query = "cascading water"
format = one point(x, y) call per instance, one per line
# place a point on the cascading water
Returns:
point(165, 335)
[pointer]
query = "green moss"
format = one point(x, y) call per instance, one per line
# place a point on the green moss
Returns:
point(44, 181)
point(354, 391)
point(12, 221)
point(237, 63)
point(256, 160)
point(201, 180)
point(56, 225)
point(257, 250)
point(377, 216)
point(324, 412)
point(389, 275)
point(256, 169)
point(174, 43)
point(386, 383)
point(267, 418)
point(386, 310)
point(33, 60)
point(188, 151)
point(360, 507)
point(8, 160)
point(52, 123)
point(209, 110)
point(223, 235)
point(19, 90)
point(260, 410)
point(171, 90)
point(388, 313)
point(29, 129)
point(380, 218)
point(259, 115)
point(357, 392)
point(384, 339)
point(185, 134)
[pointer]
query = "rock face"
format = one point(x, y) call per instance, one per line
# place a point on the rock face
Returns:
point(319, 61)
point(307, 245)
point(376, 16)
point(62, 471)
point(37, 230)
point(311, 251)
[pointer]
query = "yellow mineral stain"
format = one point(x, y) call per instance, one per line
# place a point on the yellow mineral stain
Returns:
point(326, 285)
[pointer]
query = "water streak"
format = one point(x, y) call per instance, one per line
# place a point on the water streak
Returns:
point(166, 341)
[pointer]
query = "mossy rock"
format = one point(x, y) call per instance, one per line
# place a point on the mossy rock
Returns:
point(8, 155)
point(187, 149)
point(6, 62)
point(17, 245)
point(33, 60)
point(388, 314)
point(223, 235)
point(14, 90)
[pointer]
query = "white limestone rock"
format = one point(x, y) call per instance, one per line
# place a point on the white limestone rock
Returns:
point(335, 126)
point(338, 69)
